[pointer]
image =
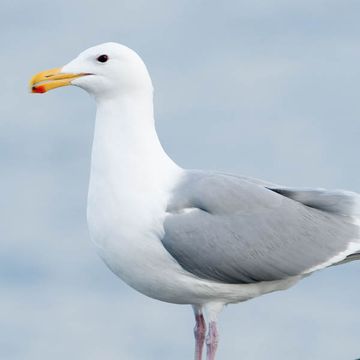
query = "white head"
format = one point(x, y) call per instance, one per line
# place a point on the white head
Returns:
point(105, 71)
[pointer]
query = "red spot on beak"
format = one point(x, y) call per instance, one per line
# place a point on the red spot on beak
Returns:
point(38, 89)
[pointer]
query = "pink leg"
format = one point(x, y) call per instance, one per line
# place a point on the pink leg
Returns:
point(212, 340)
point(199, 332)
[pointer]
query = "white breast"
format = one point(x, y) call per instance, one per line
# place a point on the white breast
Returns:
point(130, 184)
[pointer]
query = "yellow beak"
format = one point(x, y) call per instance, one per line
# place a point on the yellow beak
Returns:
point(51, 79)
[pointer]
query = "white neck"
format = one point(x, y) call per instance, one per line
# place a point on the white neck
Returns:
point(129, 165)
point(125, 138)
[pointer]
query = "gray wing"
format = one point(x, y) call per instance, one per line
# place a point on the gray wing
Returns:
point(335, 201)
point(238, 230)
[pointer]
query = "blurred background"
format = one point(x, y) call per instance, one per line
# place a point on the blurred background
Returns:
point(265, 89)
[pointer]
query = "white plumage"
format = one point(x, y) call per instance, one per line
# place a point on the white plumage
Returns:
point(151, 221)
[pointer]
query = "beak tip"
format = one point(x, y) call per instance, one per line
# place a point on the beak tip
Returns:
point(38, 89)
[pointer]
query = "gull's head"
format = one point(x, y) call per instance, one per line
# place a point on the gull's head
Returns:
point(105, 71)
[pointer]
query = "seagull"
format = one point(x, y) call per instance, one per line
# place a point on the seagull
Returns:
point(203, 238)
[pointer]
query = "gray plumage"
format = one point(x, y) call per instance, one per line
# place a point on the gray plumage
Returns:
point(241, 230)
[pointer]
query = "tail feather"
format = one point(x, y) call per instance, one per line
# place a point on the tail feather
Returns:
point(349, 258)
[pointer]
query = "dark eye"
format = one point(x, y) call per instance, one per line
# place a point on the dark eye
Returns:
point(102, 58)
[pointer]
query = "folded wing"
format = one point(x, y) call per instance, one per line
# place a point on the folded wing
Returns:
point(236, 230)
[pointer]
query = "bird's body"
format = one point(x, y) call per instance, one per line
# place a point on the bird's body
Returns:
point(126, 214)
point(193, 237)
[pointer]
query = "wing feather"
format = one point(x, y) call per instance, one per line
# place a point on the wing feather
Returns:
point(242, 232)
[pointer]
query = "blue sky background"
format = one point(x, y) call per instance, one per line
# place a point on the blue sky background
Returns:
point(266, 89)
